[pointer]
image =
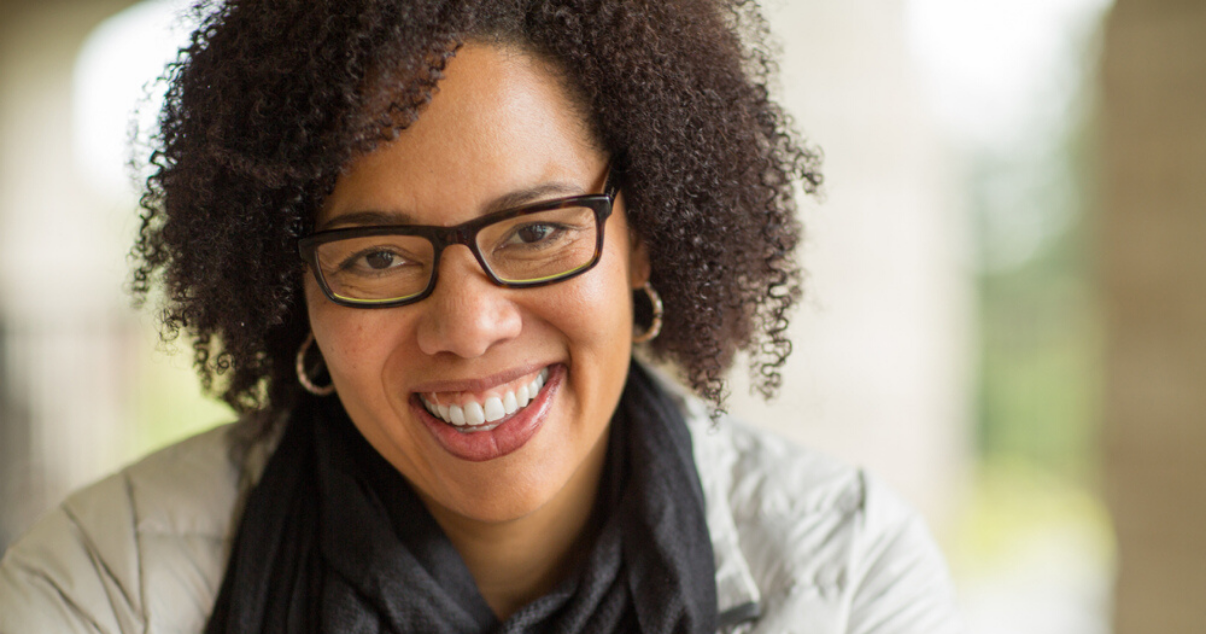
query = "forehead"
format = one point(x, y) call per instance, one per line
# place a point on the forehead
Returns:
point(499, 121)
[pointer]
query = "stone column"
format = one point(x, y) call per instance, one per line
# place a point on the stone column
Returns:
point(1151, 244)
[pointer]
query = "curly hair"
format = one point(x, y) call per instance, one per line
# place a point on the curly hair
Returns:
point(272, 98)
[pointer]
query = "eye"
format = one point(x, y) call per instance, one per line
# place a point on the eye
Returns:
point(373, 261)
point(535, 232)
point(379, 259)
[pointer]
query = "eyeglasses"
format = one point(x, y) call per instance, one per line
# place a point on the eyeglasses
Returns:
point(523, 247)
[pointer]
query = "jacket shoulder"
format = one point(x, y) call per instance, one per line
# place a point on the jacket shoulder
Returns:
point(825, 546)
point(141, 550)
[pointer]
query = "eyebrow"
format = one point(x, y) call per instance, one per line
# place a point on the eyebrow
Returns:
point(374, 218)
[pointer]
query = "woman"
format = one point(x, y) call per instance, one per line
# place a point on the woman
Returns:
point(442, 426)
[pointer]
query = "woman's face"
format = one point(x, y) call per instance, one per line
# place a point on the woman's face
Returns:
point(499, 129)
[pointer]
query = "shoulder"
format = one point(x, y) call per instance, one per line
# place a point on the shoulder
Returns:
point(146, 543)
point(819, 545)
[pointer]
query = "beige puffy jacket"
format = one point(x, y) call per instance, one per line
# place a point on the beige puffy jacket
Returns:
point(813, 546)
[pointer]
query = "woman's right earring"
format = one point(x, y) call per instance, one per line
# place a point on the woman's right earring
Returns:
point(655, 326)
point(303, 377)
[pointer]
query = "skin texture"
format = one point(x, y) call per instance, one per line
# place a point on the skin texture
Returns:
point(499, 123)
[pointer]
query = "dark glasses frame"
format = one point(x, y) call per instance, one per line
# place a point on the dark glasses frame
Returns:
point(466, 234)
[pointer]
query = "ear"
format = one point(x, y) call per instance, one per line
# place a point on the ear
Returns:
point(638, 260)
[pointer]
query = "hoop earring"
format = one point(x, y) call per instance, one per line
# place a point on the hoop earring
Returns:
point(655, 326)
point(303, 378)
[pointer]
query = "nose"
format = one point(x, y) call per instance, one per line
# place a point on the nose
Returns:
point(466, 314)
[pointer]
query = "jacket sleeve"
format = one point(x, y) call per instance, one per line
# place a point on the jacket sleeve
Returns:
point(901, 583)
point(141, 551)
point(57, 578)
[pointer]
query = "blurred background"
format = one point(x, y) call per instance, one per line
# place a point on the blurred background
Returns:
point(1006, 313)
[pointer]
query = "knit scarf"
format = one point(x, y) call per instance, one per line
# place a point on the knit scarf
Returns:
point(334, 539)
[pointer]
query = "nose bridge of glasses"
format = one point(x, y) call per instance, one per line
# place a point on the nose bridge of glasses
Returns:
point(462, 236)
point(447, 236)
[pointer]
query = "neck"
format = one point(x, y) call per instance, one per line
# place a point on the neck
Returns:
point(520, 560)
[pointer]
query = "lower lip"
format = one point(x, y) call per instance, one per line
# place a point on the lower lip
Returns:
point(508, 436)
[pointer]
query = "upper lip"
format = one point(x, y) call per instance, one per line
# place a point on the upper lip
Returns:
point(480, 384)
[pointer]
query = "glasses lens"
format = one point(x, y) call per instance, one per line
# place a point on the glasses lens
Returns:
point(541, 246)
point(376, 268)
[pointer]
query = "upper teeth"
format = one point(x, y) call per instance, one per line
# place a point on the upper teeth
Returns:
point(493, 409)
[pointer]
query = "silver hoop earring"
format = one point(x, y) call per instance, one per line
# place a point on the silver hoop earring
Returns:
point(303, 377)
point(655, 326)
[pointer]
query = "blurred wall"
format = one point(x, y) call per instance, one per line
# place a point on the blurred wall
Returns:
point(882, 369)
point(1152, 248)
point(64, 331)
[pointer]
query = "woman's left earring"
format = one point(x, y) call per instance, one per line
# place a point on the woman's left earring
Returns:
point(656, 309)
point(303, 377)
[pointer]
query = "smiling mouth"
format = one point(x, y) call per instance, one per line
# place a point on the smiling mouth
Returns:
point(472, 415)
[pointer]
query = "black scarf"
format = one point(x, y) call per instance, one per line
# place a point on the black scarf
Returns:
point(334, 540)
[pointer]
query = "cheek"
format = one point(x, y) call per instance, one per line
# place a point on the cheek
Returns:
point(352, 341)
point(597, 311)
